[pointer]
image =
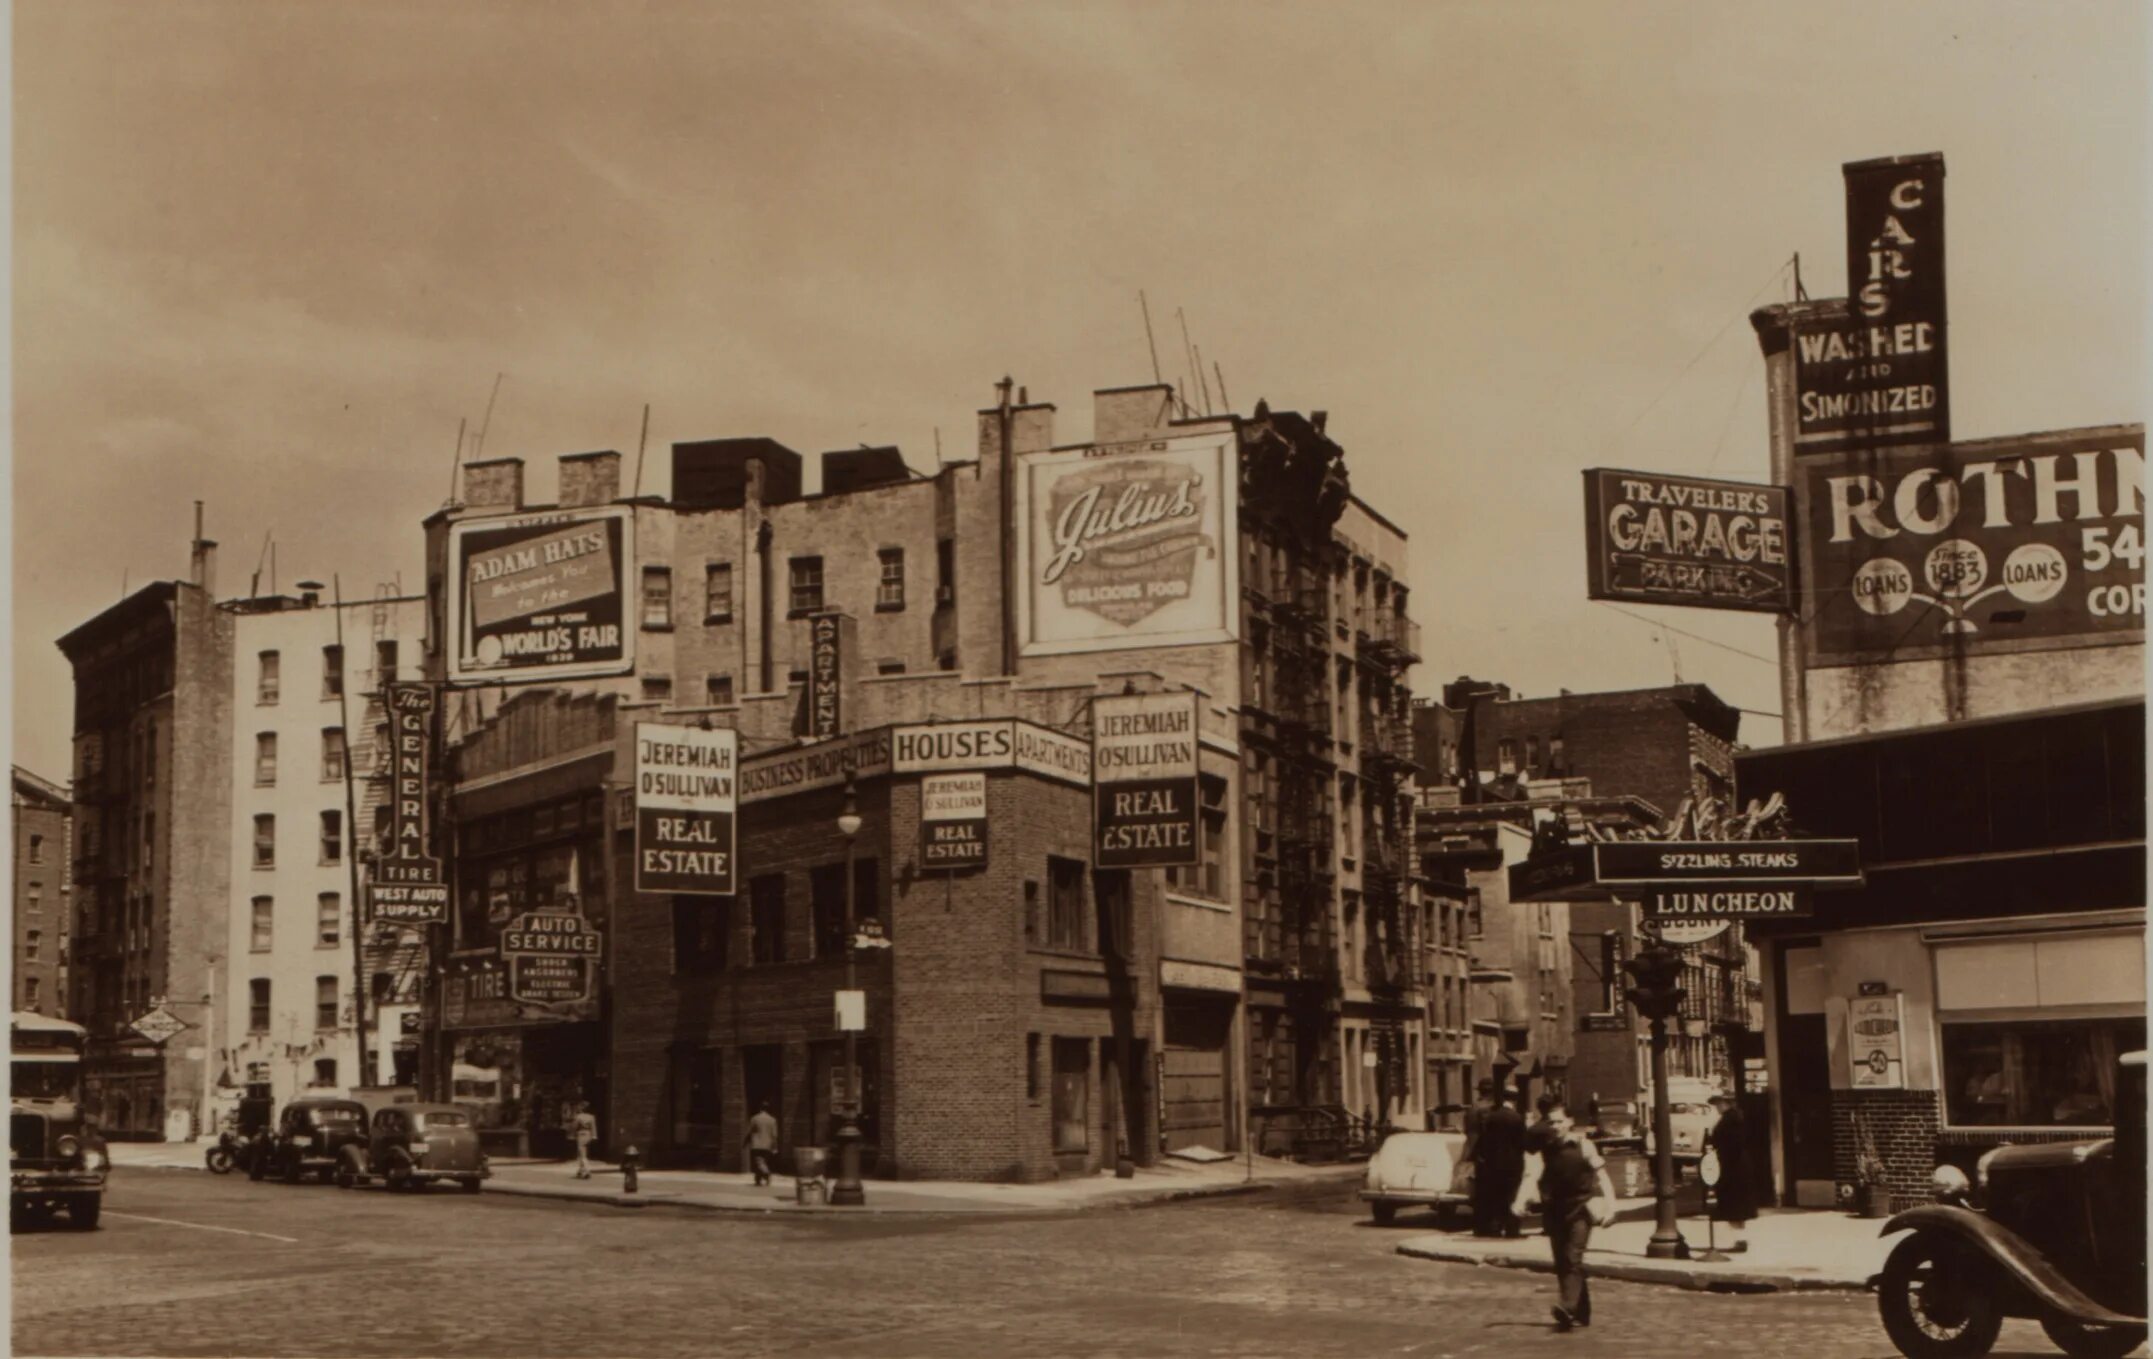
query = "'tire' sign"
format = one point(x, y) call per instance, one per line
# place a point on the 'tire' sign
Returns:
point(407, 886)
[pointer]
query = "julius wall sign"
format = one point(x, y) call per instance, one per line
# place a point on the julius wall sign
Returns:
point(1127, 546)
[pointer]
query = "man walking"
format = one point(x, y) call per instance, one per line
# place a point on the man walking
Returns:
point(1498, 1165)
point(761, 1142)
point(1575, 1196)
point(584, 1129)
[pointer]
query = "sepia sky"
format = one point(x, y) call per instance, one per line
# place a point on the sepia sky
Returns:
point(267, 256)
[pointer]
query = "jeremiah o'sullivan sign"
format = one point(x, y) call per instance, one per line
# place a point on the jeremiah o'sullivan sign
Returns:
point(1144, 770)
point(686, 798)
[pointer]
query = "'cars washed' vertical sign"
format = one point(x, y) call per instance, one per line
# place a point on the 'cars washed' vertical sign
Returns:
point(540, 597)
point(406, 886)
point(1143, 759)
point(686, 797)
point(1128, 545)
point(953, 820)
point(1879, 376)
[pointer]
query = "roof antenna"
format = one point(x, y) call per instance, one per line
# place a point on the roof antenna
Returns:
point(1801, 294)
point(1203, 383)
point(457, 461)
point(1225, 403)
point(639, 445)
point(254, 583)
point(478, 445)
point(1187, 357)
point(1149, 341)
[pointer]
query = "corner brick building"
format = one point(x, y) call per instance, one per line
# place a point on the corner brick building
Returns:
point(44, 892)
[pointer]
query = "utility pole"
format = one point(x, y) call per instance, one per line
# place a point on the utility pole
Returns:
point(350, 846)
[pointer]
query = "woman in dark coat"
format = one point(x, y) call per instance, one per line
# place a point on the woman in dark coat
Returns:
point(1734, 1198)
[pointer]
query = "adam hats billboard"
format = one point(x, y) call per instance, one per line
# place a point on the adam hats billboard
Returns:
point(2027, 543)
point(1127, 546)
point(541, 597)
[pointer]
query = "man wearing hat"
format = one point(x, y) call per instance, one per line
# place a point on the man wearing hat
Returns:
point(1734, 1198)
point(1498, 1157)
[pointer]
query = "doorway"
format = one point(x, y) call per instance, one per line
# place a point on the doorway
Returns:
point(762, 1084)
point(1804, 1077)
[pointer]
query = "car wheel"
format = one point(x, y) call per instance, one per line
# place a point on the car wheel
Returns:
point(2081, 1341)
point(220, 1160)
point(346, 1176)
point(469, 1183)
point(1383, 1212)
point(1938, 1299)
point(83, 1211)
point(399, 1177)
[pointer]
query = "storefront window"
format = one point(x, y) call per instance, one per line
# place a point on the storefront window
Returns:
point(2033, 1074)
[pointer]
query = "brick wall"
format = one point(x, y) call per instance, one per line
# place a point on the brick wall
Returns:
point(1905, 1125)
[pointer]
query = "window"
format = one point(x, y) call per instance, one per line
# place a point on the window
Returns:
point(332, 672)
point(806, 584)
point(1072, 1094)
point(890, 580)
point(384, 661)
point(265, 841)
point(2035, 1073)
point(766, 902)
point(265, 759)
point(1033, 925)
point(328, 920)
point(268, 678)
point(718, 592)
point(1349, 821)
point(826, 903)
point(701, 927)
point(1610, 972)
point(1065, 903)
point(264, 924)
point(945, 571)
point(325, 1002)
point(658, 597)
point(30, 989)
point(332, 754)
point(149, 756)
point(658, 688)
point(324, 1071)
point(258, 1005)
point(30, 941)
point(1032, 1074)
point(1207, 876)
point(1532, 754)
point(1474, 925)
point(384, 988)
point(1506, 756)
point(1554, 754)
point(718, 690)
point(889, 667)
point(332, 837)
point(37, 849)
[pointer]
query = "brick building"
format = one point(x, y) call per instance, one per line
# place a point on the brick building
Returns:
point(43, 816)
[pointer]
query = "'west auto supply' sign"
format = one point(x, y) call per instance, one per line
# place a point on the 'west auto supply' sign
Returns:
point(2035, 541)
point(406, 886)
point(686, 801)
point(1144, 766)
point(1128, 545)
point(1656, 539)
point(540, 597)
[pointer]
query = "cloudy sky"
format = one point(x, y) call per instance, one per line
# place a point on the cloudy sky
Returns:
point(266, 256)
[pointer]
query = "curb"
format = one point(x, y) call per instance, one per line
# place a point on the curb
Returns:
point(1650, 1272)
point(1151, 1200)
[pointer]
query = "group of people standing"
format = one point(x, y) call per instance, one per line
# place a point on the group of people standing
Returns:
point(1574, 1192)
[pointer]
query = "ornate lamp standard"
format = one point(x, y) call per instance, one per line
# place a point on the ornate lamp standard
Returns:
point(848, 1190)
point(1654, 972)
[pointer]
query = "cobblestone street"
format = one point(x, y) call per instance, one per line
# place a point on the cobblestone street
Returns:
point(222, 1267)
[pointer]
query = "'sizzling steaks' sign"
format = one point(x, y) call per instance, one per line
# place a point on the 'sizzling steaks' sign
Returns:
point(1127, 547)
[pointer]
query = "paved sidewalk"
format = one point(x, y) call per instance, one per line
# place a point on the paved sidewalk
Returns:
point(1169, 1180)
point(1789, 1249)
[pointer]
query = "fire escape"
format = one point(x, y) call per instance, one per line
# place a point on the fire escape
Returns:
point(1387, 643)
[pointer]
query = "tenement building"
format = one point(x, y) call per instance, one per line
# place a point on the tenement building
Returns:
point(44, 892)
point(1031, 1011)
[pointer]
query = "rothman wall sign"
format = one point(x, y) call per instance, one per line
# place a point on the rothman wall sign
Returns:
point(1657, 539)
point(540, 597)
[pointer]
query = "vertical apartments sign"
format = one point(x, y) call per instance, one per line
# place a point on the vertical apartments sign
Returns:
point(407, 887)
point(1144, 791)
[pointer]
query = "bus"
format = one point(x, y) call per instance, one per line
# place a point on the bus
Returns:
point(56, 1160)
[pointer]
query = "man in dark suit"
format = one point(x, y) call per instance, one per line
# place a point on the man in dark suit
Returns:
point(1498, 1165)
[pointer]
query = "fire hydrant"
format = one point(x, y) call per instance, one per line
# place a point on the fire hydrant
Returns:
point(631, 1161)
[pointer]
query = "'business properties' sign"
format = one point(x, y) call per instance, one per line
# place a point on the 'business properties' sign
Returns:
point(1656, 539)
point(1144, 769)
point(540, 597)
point(686, 804)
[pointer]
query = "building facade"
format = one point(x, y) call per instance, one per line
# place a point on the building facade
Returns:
point(43, 817)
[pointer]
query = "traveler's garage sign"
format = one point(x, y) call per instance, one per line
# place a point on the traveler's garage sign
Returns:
point(1654, 539)
point(539, 598)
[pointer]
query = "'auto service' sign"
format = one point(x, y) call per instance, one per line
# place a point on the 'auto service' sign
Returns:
point(1655, 539)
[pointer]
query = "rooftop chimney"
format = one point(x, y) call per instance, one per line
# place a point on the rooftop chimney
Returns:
point(202, 557)
point(493, 484)
point(589, 478)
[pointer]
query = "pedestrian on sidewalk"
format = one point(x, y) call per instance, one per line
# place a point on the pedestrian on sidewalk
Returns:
point(584, 1129)
point(1498, 1164)
point(1734, 1198)
point(1575, 1196)
point(761, 1142)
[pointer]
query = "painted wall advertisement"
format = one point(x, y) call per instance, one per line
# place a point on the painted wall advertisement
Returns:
point(953, 821)
point(405, 885)
point(1655, 539)
point(1878, 375)
point(2035, 541)
point(686, 801)
point(825, 670)
point(1144, 794)
point(540, 597)
point(1128, 546)
point(1876, 1033)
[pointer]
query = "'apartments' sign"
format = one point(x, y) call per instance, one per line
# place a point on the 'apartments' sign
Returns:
point(1144, 766)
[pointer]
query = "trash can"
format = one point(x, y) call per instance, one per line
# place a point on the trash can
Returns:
point(807, 1167)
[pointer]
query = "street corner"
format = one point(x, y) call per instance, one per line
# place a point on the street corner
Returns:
point(1531, 1254)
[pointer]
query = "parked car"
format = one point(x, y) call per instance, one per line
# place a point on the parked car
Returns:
point(2052, 1231)
point(409, 1146)
point(56, 1159)
point(1418, 1170)
point(310, 1135)
point(1690, 1117)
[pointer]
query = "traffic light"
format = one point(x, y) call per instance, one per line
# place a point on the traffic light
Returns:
point(1653, 974)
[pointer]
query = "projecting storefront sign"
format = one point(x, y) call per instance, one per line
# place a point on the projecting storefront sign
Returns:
point(825, 667)
point(1880, 375)
point(1656, 539)
point(1144, 766)
point(1724, 903)
point(686, 804)
point(1128, 545)
point(552, 957)
point(482, 992)
point(1672, 862)
point(539, 598)
point(406, 885)
point(953, 821)
point(2035, 541)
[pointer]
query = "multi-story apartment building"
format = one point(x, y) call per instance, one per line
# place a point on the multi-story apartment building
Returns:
point(44, 892)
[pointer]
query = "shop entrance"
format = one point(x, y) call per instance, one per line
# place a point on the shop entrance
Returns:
point(1193, 1092)
point(1805, 1078)
point(762, 1082)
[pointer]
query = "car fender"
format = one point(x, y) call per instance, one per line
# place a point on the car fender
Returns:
point(2016, 1256)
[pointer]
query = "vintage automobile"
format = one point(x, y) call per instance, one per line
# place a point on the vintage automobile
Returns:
point(2052, 1231)
point(410, 1146)
point(1418, 1170)
point(55, 1157)
point(1690, 1117)
point(311, 1134)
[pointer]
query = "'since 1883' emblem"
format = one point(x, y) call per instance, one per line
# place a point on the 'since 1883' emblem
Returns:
point(1126, 538)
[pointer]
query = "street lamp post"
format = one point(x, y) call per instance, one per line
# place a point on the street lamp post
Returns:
point(848, 1190)
point(1654, 972)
